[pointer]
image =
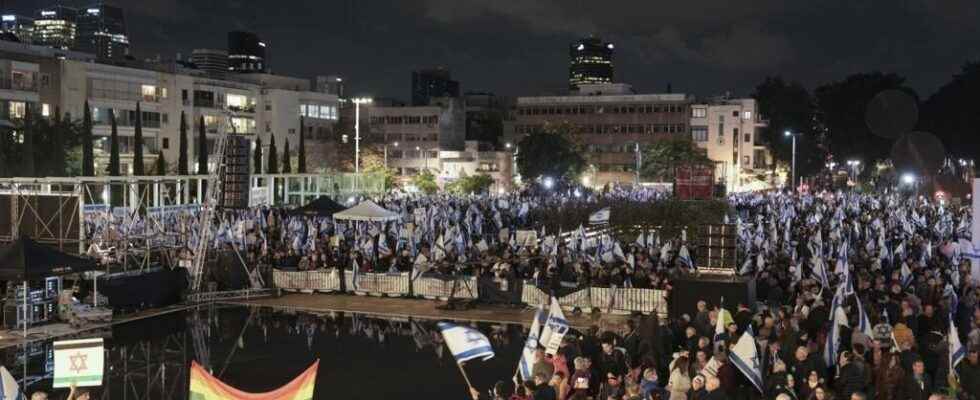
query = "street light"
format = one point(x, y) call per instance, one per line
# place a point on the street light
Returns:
point(854, 164)
point(792, 181)
point(357, 130)
point(908, 178)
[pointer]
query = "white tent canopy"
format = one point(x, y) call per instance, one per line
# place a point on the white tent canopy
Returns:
point(367, 211)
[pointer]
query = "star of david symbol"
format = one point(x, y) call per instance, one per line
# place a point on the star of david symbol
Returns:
point(473, 337)
point(755, 363)
point(78, 362)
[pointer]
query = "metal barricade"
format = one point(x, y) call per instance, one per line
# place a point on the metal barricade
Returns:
point(378, 284)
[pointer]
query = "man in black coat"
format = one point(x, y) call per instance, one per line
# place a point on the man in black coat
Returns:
point(918, 385)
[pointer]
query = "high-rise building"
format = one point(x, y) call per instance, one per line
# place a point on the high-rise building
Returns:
point(56, 27)
point(430, 83)
point(212, 61)
point(21, 27)
point(102, 31)
point(330, 84)
point(590, 61)
point(246, 52)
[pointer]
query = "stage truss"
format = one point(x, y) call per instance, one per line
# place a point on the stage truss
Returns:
point(131, 218)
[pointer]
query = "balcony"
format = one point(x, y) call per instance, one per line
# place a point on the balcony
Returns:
point(12, 84)
point(249, 109)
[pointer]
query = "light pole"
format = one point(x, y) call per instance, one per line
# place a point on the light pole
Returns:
point(792, 181)
point(357, 130)
point(854, 164)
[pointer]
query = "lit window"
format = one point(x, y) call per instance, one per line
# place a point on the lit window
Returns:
point(45, 110)
point(747, 115)
point(17, 109)
point(149, 92)
point(699, 112)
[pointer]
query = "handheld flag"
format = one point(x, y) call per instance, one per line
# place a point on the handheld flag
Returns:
point(204, 386)
point(724, 319)
point(555, 329)
point(956, 349)
point(531, 344)
point(465, 343)
point(599, 217)
point(745, 356)
point(9, 389)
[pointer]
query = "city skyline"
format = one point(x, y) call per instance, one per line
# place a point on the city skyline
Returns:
point(521, 49)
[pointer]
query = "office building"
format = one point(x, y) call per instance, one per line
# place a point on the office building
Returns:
point(728, 130)
point(20, 27)
point(484, 117)
point(214, 62)
point(590, 62)
point(18, 89)
point(609, 120)
point(102, 31)
point(330, 84)
point(415, 135)
point(56, 27)
point(432, 83)
point(246, 53)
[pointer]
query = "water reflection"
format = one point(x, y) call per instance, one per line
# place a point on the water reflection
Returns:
point(260, 349)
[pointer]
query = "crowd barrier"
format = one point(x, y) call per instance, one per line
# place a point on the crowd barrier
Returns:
point(606, 300)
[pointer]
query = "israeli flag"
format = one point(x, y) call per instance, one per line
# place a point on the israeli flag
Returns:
point(838, 318)
point(956, 349)
point(906, 275)
point(554, 329)
point(600, 217)
point(954, 300)
point(357, 273)
point(526, 363)
point(9, 390)
point(684, 256)
point(864, 324)
point(745, 356)
point(465, 343)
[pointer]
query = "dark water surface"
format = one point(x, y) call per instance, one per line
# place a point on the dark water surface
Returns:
point(260, 349)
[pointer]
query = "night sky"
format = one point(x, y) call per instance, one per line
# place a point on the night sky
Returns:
point(519, 47)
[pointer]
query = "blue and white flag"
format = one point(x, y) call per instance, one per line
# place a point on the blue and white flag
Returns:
point(745, 356)
point(526, 363)
point(9, 389)
point(956, 349)
point(864, 324)
point(684, 256)
point(954, 300)
point(906, 275)
point(357, 273)
point(465, 343)
point(555, 329)
point(600, 217)
point(838, 318)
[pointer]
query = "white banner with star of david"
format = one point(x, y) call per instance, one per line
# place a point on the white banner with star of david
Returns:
point(78, 361)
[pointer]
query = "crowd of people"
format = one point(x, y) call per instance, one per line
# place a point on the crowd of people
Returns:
point(859, 295)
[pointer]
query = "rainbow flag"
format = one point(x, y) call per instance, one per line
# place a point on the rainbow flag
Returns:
point(205, 386)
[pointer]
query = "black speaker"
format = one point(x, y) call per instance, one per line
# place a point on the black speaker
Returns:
point(235, 180)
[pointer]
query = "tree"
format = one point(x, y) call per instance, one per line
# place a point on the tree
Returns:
point(563, 160)
point(951, 113)
point(29, 132)
point(272, 166)
point(138, 143)
point(287, 167)
point(425, 182)
point(788, 106)
point(160, 165)
point(182, 147)
point(88, 153)
point(476, 184)
point(113, 167)
point(661, 159)
point(257, 157)
point(302, 146)
point(202, 148)
point(841, 109)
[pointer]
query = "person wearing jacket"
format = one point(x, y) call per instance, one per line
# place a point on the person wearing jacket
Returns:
point(679, 382)
point(917, 385)
point(850, 376)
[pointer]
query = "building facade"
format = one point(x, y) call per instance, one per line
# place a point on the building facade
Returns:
point(590, 62)
point(609, 126)
point(56, 27)
point(102, 31)
point(19, 26)
point(246, 53)
point(728, 130)
point(428, 84)
point(214, 62)
point(330, 84)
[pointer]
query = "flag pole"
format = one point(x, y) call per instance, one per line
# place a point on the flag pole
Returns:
point(466, 378)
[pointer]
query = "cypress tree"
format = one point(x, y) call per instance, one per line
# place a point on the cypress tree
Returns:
point(302, 147)
point(28, 152)
point(202, 149)
point(160, 166)
point(182, 147)
point(257, 157)
point(88, 154)
point(113, 168)
point(272, 167)
point(287, 167)
point(138, 167)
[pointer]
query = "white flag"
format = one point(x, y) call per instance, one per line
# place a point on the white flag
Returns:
point(554, 329)
point(746, 358)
